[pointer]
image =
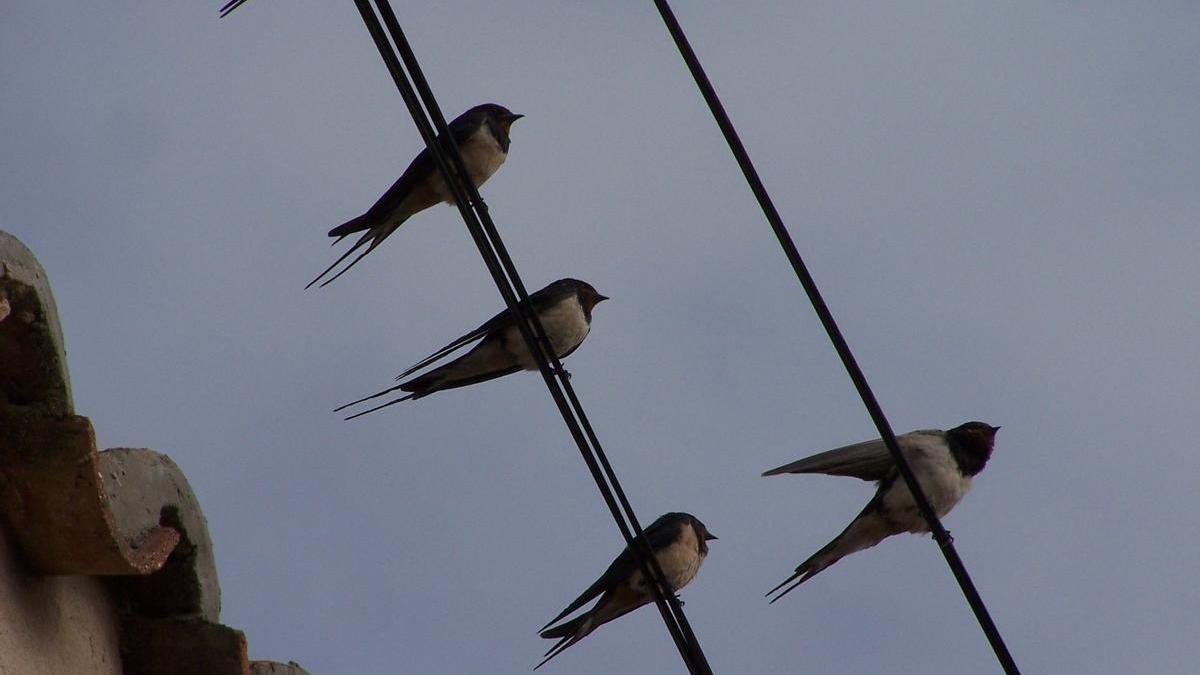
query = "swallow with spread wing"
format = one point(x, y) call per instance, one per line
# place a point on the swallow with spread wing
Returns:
point(944, 463)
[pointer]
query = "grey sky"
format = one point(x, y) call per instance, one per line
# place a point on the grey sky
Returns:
point(1000, 203)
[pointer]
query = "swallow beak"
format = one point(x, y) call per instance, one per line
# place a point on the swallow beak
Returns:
point(709, 536)
point(600, 298)
point(513, 117)
point(995, 429)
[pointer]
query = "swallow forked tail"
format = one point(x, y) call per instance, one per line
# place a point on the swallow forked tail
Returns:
point(866, 530)
point(568, 633)
point(810, 568)
point(357, 224)
point(435, 380)
point(804, 575)
point(378, 407)
point(583, 625)
point(373, 235)
point(789, 589)
point(565, 628)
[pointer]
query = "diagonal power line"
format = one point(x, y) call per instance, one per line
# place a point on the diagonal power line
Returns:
point(483, 231)
point(944, 541)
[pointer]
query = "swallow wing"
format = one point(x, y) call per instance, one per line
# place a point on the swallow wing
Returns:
point(659, 535)
point(619, 569)
point(869, 460)
point(540, 300)
point(422, 167)
point(458, 343)
point(418, 170)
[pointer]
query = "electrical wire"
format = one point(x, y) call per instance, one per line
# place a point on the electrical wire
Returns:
point(944, 541)
point(491, 247)
point(483, 231)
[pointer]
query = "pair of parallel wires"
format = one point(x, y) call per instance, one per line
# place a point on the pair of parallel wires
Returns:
point(427, 115)
point(483, 231)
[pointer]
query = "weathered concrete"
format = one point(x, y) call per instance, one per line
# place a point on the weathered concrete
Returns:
point(182, 647)
point(49, 625)
point(132, 586)
point(147, 489)
point(33, 360)
point(54, 625)
point(56, 506)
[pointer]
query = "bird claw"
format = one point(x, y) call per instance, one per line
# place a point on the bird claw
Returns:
point(679, 600)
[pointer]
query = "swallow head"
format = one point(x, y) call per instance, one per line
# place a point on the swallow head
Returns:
point(588, 297)
point(703, 536)
point(980, 431)
point(972, 444)
point(495, 114)
point(506, 119)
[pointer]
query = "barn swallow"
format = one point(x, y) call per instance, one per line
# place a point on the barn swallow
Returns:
point(481, 134)
point(944, 463)
point(564, 309)
point(679, 542)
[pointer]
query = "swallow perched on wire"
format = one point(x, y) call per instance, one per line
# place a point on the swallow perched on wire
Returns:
point(564, 309)
point(481, 135)
point(944, 463)
point(679, 541)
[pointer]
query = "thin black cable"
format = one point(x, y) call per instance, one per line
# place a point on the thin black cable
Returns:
point(502, 253)
point(493, 253)
point(945, 542)
point(504, 273)
point(684, 625)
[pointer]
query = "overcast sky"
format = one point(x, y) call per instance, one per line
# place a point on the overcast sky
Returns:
point(999, 201)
